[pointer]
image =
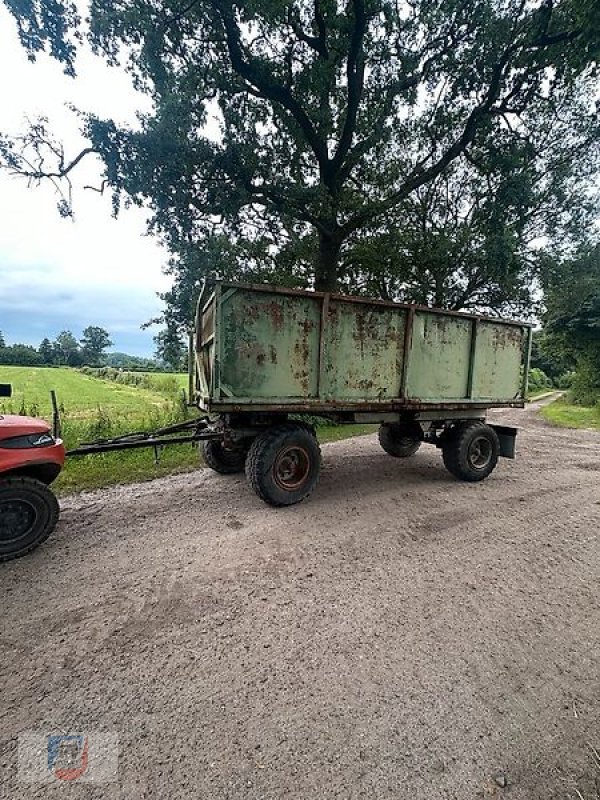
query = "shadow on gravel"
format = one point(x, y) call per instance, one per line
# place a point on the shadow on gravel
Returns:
point(115, 520)
point(372, 473)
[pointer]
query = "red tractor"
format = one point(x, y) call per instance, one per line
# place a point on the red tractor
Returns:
point(31, 457)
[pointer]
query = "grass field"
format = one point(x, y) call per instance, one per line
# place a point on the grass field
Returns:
point(93, 408)
point(567, 415)
point(79, 395)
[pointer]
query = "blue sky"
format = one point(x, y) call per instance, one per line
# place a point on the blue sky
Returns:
point(57, 274)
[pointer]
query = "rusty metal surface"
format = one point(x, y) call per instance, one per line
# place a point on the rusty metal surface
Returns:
point(268, 345)
point(497, 360)
point(347, 298)
point(363, 352)
point(439, 357)
point(318, 406)
point(267, 349)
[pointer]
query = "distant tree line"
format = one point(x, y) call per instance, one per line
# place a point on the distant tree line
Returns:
point(65, 350)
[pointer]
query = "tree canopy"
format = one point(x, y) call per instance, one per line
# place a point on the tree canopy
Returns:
point(94, 342)
point(572, 318)
point(64, 350)
point(409, 150)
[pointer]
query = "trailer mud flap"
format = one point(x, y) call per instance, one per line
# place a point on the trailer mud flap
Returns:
point(508, 440)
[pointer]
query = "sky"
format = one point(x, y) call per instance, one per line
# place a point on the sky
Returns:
point(58, 274)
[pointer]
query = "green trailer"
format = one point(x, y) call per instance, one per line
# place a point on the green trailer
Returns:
point(263, 356)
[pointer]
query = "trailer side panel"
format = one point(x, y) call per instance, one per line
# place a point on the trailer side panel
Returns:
point(266, 347)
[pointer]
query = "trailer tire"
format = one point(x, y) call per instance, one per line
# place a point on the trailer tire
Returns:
point(400, 439)
point(471, 451)
point(28, 515)
point(221, 459)
point(283, 464)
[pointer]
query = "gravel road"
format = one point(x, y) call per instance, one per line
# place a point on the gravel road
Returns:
point(399, 635)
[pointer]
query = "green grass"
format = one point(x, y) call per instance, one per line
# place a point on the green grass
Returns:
point(92, 408)
point(335, 433)
point(78, 395)
point(567, 415)
point(161, 378)
point(108, 469)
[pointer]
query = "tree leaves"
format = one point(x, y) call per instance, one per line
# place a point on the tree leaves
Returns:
point(318, 128)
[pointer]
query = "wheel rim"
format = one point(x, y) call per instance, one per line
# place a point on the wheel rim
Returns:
point(291, 468)
point(480, 452)
point(17, 517)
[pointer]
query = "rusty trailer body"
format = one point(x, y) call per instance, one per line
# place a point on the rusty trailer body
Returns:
point(267, 348)
point(262, 355)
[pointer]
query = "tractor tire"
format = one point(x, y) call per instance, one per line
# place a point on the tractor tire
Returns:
point(400, 439)
point(221, 459)
point(471, 452)
point(283, 464)
point(28, 515)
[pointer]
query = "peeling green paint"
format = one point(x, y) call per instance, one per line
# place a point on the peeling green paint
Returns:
point(261, 345)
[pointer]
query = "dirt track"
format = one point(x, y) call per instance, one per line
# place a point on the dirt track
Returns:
point(400, 635)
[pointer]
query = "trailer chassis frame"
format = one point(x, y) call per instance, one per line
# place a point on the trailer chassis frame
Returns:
point(188, 432)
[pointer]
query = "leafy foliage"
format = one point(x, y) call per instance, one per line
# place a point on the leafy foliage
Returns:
point(572, 290)
point(94, 342)
point(20, 354)
point(46, 351)
point(411, 150)
point(538, 380)
point(65, 350)
point(48, 26)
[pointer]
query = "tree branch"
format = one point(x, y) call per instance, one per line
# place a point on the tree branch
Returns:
point(267, 87)
point(317, 43)
point(420, 176)
point(355, 73)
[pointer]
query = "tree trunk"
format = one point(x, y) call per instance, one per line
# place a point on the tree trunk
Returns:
point(326, 277)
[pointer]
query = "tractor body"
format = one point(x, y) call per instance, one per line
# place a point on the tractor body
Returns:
point(31, 457)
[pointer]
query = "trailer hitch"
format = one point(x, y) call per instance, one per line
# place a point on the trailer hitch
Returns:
point(194, 430)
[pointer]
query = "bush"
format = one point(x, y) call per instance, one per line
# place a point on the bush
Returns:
point(20, 355)
point(582, 393)
point(160, 382)
point(565, 381)
point(538, 380)
point(106, 425)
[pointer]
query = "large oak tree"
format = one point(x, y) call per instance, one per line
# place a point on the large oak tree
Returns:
point(331, 119)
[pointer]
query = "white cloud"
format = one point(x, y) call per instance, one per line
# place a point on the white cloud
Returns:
point(107, 271)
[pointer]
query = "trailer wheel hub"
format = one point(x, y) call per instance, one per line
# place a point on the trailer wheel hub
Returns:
point(16, 519)
point(291, 468)
point(480, 452)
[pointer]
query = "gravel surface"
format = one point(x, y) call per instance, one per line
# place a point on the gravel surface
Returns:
point(399, 635)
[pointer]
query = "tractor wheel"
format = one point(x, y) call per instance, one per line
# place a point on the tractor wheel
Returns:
point(222, 459)
point(283, 464)
point(400, 439)
point(471, 452)
point(28, 515)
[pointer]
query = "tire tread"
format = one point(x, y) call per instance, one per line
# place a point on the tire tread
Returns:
point(32, 484)
point(454, 456)
point(259, 452)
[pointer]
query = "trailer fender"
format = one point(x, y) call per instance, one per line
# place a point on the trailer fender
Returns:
point(508, 440)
